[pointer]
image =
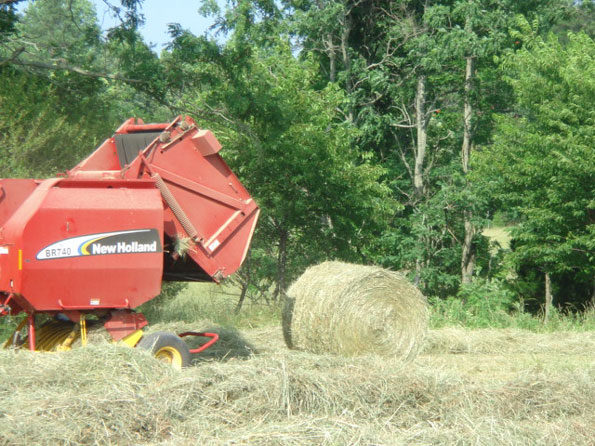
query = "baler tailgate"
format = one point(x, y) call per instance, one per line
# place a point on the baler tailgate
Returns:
point(206, 206)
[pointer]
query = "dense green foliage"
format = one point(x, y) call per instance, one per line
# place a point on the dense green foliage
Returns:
point(386, 132)
point(542, 163)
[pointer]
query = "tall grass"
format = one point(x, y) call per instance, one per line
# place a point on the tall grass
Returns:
point(216, 303)
point(486, 304)
point(7, 326)
point(483, 305)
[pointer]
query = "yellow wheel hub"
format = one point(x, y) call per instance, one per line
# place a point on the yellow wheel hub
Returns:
point(166, 347)
point(169, 355)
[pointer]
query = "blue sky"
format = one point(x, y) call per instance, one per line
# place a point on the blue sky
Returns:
point(158, 13)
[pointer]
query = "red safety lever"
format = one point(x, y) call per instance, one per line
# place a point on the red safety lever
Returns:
point(214, 338)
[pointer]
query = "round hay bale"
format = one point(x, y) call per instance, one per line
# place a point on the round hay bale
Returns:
point(348, 310)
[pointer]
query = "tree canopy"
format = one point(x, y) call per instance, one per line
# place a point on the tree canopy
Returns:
point(542, 163)
point(388, 132)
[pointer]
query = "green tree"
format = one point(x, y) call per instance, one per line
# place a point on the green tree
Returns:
point(579, 17)
point(320, 197)
point(49, 119)
point(58, 95)
point(36, 137)
point(542, 163)
point(422, 87)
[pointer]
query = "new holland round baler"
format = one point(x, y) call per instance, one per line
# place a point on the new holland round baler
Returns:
point(154, 203)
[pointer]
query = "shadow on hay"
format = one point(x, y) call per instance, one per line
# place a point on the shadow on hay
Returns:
point(231, 345)
point(286, 320)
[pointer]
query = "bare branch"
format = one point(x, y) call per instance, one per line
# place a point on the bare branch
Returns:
point(403, 157)
point(63, 67)
point(14, 56)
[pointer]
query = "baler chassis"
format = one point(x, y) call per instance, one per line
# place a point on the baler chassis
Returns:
point(154, 202)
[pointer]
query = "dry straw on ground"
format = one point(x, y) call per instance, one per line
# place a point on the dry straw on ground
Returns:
point(507, 341)
point(348, 309)
point(109, 395)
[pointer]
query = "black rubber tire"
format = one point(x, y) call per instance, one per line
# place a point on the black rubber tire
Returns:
point(167, 347)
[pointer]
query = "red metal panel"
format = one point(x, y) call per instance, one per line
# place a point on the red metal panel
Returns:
point(206, 143)
point(12, 194)
point(122, 323)
point(132, 128)
point(94, 239)
point(78, 246)
point(104, 158)
point(209, 194)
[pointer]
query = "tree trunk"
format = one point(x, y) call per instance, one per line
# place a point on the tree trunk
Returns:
point(346, 22)
point(419, 151)
point(468, 113)
point(238, 307)
point(422, 136)
point(330, 48)
point(548, 298)
point(468, 251)
point(281, 265)
point(417, 278)
point(247, 276)
point(346, 31)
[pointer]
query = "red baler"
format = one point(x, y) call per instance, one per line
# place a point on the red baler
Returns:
point(154, 202)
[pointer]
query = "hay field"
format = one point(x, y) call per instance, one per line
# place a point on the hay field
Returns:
point(481, 387)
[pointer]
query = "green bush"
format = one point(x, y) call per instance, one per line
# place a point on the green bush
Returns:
point(490, 304)
point(481, 304)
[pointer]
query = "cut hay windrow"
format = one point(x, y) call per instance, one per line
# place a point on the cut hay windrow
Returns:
point(113, 395)
point(349, 310)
